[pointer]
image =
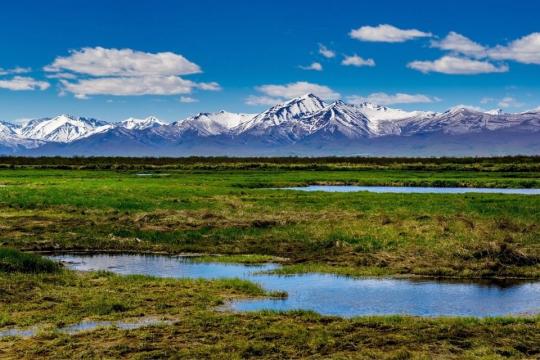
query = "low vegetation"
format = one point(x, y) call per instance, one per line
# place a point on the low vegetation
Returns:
point(12, 260)
point(48, 301)
point(236, 213)
point(227, 207)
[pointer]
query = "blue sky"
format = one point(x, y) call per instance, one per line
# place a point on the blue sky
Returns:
point(115, 59)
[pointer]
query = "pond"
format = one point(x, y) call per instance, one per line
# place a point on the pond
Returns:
point(412, 189)
point(331, 294)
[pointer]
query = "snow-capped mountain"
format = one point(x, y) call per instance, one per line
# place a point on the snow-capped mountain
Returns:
point(209, 124)
point(291, 110)
point(63, 128)
point(340, 119)
point(7, 128)
point(10, 139)
point(141, 124)
point(457, 121)
point(305, 125)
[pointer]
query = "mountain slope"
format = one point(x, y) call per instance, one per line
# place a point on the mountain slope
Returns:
point(63, 128)
point(141, 124)
point(288, 112)
point(301, 126)
point(209, 124)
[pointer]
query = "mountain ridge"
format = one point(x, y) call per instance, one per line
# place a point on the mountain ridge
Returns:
point(300, 126)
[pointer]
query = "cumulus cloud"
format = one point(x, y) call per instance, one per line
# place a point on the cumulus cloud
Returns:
point(125, 72)
point(187, 99)
point(262, 100)
point(20, 83)
point(273, 94)
point(460, 44)
point(61, 76)
point(509, 101)
point(99, 61)
point(457, 65)
point(122, 86)
point(469, 107)
point(298, 89)
point(326, 52)
point(486, 100)
point(313, 66)
point(525, 50)
point(386, 33)
point(355, 60)
point(15, 70)
point(382, 98)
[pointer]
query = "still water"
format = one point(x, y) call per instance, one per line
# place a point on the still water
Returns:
point(332, 294)
point(412, 189)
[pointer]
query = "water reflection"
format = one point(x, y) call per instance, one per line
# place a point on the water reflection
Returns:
point(335, 295)
point(411, 189)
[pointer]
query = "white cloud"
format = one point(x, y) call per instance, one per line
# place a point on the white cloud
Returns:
point(262, 100)
point(486, 100)
point(99, 61)
point(457, 66)
point(273, 94)
point(355, 60)
point(386, 33)
point(19, 83)
point(327, 53)
point(298, 89)
point(61, 76)
point(123, 72)
point(123, 86)
point(188, 99)
point(313, 66)
point(525, 50)
point(382, 98)
point(470, 107)
point(460, 44)
point(509, 101)
point(15, 70)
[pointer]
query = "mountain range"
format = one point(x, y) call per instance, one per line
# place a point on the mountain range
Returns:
point(305, 126)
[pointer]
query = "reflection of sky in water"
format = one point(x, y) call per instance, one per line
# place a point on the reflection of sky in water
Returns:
point(412, 189)
point(87, 326)
point(334, 295)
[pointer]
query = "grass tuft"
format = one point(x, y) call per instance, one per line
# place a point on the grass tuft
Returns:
point(12, 260)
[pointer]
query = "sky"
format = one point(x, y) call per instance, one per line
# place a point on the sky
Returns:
point(116, 59)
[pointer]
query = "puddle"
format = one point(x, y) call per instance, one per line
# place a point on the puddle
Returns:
point(331, 294)
point(152, 174)
point(412, 189)
point(87, 326)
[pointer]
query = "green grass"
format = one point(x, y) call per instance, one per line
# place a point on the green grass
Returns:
point(238, 259)
point(232, 212)
point(12, 260)
point(223, 206)
point(48, 301)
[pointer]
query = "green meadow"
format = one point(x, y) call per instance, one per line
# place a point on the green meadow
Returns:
point(228, 211)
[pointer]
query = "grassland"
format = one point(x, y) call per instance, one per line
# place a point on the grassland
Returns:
point(235, 212)
point(226, 207)
point(199, 331)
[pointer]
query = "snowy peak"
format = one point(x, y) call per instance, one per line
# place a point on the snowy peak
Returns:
point(306, 104)
point(141, 124)
point(63, 128)
point(207, 124)
point(382, 113)
point(290, 110)
point(339, 118)
point(8, 128)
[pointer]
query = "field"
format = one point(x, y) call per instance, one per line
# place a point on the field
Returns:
point(226, 207)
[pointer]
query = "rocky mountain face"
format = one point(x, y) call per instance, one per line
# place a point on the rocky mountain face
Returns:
point(301, 126)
